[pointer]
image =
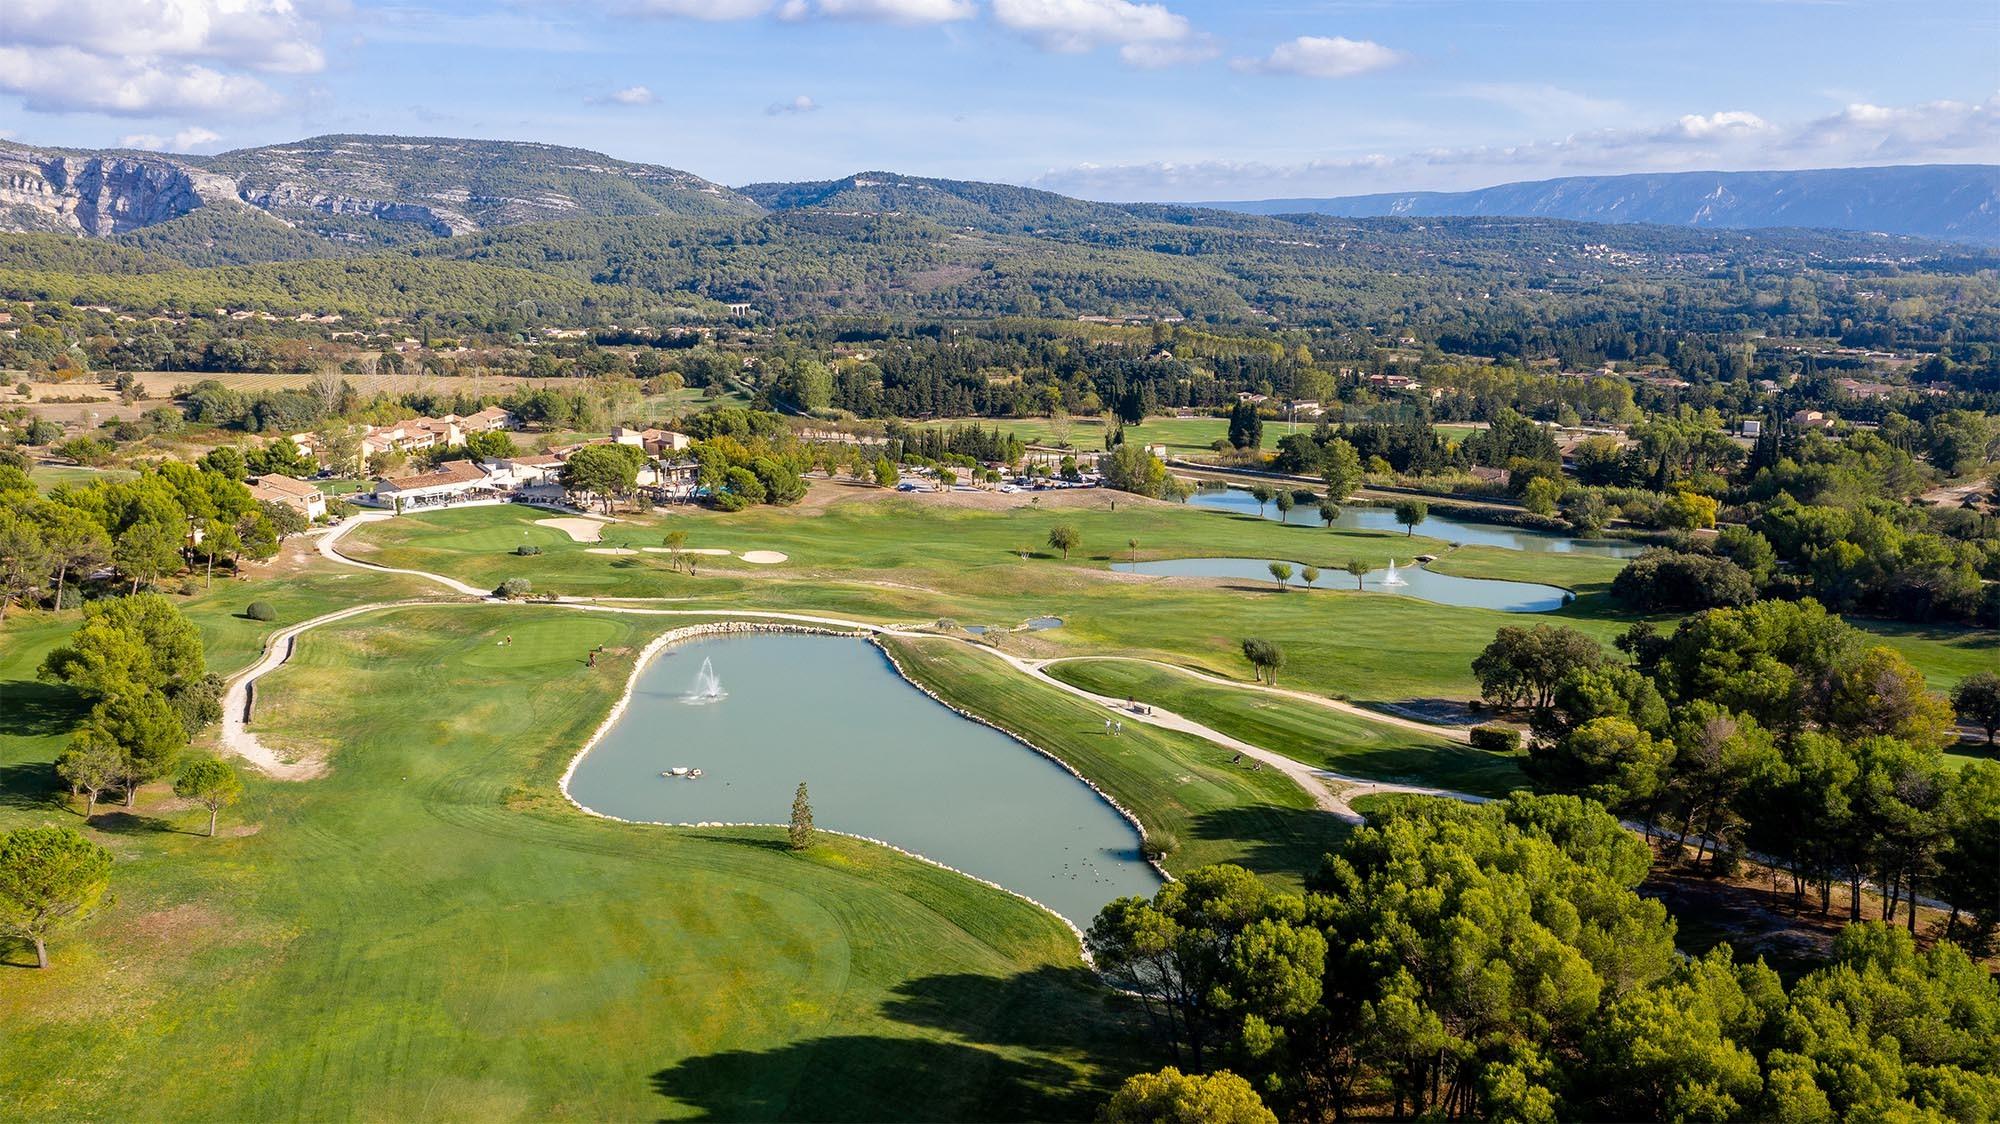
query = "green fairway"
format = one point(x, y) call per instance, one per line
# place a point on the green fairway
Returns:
point(1175, 783)
point(1179, 435)
point(48, 476)
point(1299, 730)
point(431, 931)
point(891, 558)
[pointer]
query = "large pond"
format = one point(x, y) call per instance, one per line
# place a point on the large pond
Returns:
point(1410, 581)
point(881, 758)
point(1355, 518)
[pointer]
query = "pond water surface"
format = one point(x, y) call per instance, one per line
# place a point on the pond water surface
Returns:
point(1445, 589)
point(1459, 531)
point(880, 757)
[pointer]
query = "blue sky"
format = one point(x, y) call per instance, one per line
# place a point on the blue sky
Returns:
point(1180, 99)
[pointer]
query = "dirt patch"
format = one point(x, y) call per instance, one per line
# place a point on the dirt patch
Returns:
point(177, 922)
point(1755, 913)
point(578, 529)
point(1440, 712)
point(609, 550)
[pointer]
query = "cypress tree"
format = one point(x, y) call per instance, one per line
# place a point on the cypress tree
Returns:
point(801, 830)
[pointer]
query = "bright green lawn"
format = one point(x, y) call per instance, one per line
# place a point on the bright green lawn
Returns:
point(1300, 730)
point(1179, 435)
point(48, 476)
point(430, 931)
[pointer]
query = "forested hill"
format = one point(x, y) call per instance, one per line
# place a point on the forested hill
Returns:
point(416, 226)
point(983, 206)
point(1954, 202)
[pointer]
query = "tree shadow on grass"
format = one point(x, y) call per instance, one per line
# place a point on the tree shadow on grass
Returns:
point(1450, 765)
point(114, 819)
point(740, 837)
point(875, 1078)
point(1051, 1008)
point(1046, 1044)
point(1290, 842)
point(38, 710)
point(31, 786)
point(17, 953)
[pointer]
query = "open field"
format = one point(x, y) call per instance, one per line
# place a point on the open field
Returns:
point(431, 931)
point(100, 401)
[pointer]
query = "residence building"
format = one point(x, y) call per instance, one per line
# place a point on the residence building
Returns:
point(276, 487)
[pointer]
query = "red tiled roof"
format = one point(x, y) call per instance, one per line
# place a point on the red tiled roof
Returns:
point(450, 472)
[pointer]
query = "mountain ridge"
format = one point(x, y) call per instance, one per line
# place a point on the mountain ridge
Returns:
point(1951, 202)
point(354, 189)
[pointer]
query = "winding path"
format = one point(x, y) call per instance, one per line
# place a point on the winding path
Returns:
point(1318, 783)
point(329, 540)
point(1448, 733)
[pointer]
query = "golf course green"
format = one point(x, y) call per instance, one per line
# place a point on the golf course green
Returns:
point(429, 929)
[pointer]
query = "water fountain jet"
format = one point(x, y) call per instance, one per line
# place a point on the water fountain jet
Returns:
point(707, 685)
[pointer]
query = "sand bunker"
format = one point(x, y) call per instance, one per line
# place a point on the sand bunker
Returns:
point(579, 530)
point(763, 557)
point(708, 550)
point(609, 550)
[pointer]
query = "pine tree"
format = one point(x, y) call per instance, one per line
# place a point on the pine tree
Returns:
point(801, 830)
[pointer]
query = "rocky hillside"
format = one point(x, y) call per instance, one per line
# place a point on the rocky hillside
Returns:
point(100, 194)
point(353, 191)
point(1954, 202)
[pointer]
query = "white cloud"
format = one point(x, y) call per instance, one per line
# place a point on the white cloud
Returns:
point(268, 35)
point(1158, 56)
point(116, 56)
point(898, 11)
point(1735, 122)
point(632, 95)
point(800, 104)
point(47, 80)
point(1083, 25)
point(1931, 132)
point(1320, 56)
point(187, 140)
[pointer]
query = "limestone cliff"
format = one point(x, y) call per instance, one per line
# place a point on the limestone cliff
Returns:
point(99, 195)
point(350, 189)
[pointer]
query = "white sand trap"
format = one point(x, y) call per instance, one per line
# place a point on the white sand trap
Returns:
point(708, 550)
point(579, 530)
point(764, 557)
point(609, 550)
